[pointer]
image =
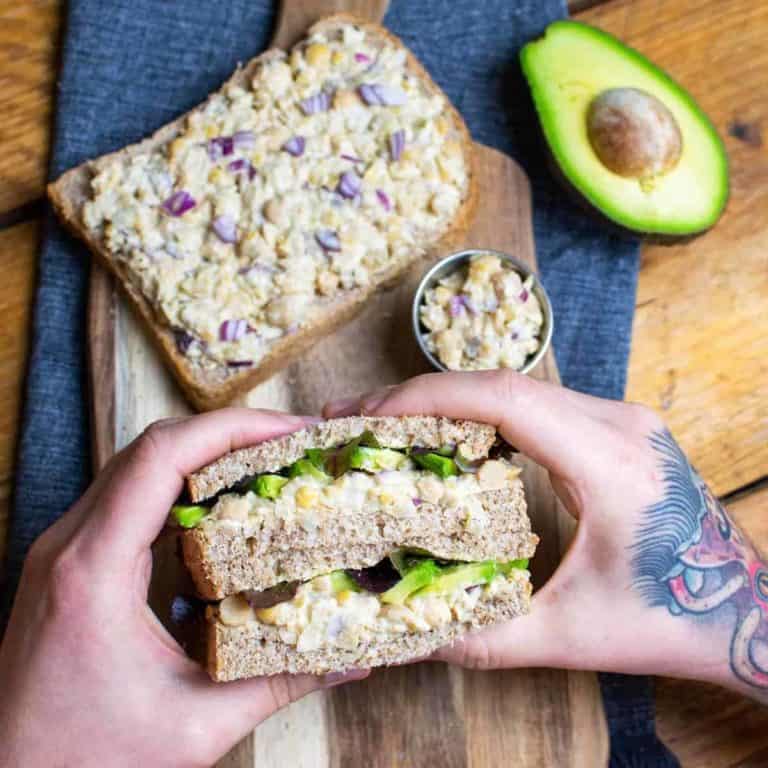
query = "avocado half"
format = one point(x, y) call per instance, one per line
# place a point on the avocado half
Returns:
point(624, 137)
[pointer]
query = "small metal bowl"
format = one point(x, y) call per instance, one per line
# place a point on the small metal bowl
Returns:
point(456, 261)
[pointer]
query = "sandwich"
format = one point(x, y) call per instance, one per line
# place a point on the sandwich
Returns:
point(356, 542)
point(263, 219)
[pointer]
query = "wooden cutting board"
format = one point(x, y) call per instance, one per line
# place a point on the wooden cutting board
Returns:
point(424, 715)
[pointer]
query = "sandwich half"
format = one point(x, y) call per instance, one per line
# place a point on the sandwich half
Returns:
point(356, 542)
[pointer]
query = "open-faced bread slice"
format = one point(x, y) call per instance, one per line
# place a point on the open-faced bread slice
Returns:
point(265, 218)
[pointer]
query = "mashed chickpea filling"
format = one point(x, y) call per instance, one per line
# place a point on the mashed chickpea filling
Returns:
point(359, 476)
point(333, 163)
point(404, 594)
point(482, 316)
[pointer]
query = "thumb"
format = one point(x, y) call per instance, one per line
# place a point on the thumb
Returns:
point(547, 636)
point(533, 640)
point(234, 709)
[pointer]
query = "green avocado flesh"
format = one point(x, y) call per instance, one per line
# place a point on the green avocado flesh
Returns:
point(188, 516)
point(268, 486)
point(417, 577)
point(566, 70)
point(422, 576)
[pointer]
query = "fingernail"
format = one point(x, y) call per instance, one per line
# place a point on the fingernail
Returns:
point(345, 406)
point(348, 675)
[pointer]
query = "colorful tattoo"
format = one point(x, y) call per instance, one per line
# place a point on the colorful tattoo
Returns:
point(692, 559)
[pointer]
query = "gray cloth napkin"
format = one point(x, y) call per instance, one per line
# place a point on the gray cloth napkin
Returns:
point(129, 66)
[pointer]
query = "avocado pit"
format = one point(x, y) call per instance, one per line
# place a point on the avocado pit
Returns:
point(633, 133)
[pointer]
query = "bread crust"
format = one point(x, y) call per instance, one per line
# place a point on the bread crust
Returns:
point(212, 389)
point(254, 649)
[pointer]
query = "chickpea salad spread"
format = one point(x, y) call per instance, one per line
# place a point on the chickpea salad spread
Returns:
point(333, 163)
point(406, 593)
point(482, 316)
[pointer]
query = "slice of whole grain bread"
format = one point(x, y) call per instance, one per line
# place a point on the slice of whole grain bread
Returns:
point(433, 432)
point(255, 649)
point(207, 389)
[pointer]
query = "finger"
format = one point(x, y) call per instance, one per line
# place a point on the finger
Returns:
point(243, 704)
point(544, 421)
point(143, 482)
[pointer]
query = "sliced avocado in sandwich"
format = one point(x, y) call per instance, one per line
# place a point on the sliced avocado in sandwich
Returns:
point(419, 576)
point(442, 466)
point(341, 581)
point(188, 515)
point(376, 459)
point(268, 486)
point(306, 467)
point(628, 140)
point(463, 576)
point(511, 565)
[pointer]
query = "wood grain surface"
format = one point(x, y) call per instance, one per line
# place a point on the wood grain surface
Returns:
point(700, 344)
point(29, 37)
point(17, 255)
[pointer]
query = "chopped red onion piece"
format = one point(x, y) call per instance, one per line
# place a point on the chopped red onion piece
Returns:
point(351, 158)
point(242, 165)
point(179, 203)
point(376, 95)
point(377, 578)
point(233, 330)
point(468, 303)
point(243, 140)
point(417, 501)
point(396, 144)
point(184, 340)
point(362, 58)
point(295, 146)
point(455, 306)
point(225, 228)
point(523, 295)
point(349, 185)
point(328, 240)
point(221, 146)
point(239, 363)
point(320, 102)
point(384, 199)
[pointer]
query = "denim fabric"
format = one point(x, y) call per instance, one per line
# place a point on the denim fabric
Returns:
point(128, 66)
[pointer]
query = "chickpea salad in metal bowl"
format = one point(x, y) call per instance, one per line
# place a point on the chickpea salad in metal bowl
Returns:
point(479, 310)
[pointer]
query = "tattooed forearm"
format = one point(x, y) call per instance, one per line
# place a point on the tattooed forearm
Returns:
point(690, 557)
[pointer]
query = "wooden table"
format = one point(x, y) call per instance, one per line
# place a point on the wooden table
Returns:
point(700, 346)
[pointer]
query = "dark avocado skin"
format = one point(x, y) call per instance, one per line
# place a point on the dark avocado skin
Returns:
point(584, 204)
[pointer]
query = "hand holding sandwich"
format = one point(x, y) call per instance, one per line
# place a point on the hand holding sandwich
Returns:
point(89, 676)
point(654, 553)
